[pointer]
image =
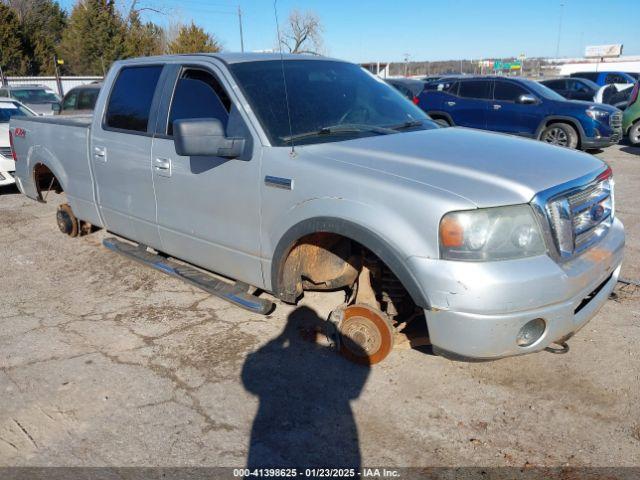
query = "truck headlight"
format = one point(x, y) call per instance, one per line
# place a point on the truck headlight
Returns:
point(598, 115)
point(488, 234)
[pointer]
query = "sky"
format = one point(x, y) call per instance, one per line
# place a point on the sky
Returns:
point(387, 30)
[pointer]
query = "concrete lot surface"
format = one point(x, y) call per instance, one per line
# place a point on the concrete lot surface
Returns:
point(106, 362)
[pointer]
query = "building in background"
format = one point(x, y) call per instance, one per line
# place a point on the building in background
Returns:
point(377, 68)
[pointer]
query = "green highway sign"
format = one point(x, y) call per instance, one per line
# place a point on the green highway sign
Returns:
point(498, 65)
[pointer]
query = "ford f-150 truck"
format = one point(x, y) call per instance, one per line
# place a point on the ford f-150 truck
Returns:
point(294, 173)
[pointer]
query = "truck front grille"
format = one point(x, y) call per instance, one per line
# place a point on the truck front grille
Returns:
point(615, 120)
point(5, 152)
point(580, 217)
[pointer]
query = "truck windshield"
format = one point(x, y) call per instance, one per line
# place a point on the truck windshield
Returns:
point(35, 95)
point(10, 109)
point(328, 100)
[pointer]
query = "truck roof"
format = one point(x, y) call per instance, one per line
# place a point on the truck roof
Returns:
point(233, 57)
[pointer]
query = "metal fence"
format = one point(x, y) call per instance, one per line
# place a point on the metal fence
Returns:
point(67, 82)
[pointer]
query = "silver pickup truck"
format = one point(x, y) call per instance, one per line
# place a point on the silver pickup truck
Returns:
point(286, 174)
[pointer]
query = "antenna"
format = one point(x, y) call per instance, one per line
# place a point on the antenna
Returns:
point(284, 78)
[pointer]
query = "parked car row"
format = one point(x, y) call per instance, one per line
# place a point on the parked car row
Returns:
point(571, 111)
point(612, 88)
point(36, 97)
point(34, 100)
point(526, 108)
point(573, 88)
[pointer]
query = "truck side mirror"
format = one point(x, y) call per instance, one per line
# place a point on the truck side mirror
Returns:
point(56, 107)
point(204, 137)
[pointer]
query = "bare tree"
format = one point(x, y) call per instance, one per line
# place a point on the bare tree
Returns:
point(303, 33)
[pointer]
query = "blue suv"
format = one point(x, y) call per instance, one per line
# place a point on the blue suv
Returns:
point(606, 78)
point(526, 108)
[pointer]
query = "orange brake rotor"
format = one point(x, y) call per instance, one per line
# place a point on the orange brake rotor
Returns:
point(366, 335)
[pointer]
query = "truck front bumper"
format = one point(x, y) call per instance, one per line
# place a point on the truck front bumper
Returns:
point(477, 309)
point(602, 142)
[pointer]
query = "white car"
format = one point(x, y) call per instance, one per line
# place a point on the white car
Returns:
point(616, 94)
point(8, 109)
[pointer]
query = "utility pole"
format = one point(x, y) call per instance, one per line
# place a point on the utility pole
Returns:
point(406, 63)
point(240, 23)
point(559, 31)
point(3, 80)
point(56, 62)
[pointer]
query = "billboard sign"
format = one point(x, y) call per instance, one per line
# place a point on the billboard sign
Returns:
point(613, 50)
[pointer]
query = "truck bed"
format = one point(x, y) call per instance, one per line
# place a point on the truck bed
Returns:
point(61, 144)
point(68, 120)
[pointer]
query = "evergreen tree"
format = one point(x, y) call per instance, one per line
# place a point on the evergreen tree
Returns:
point(193, 39)
point(142, 40)
point(43, 22)
point(12, 58)
point(93, 39)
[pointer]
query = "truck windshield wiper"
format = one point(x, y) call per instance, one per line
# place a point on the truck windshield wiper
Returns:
point(341, 128)
point(407, 124)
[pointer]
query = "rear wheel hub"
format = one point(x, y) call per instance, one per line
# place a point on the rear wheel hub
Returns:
point(66, 220)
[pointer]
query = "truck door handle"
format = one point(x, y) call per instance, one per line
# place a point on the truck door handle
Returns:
point(497, 107)
point(451, 104)
point(100, 154)
point(162, 166)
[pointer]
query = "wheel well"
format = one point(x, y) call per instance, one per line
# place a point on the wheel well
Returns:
point(571, 123)
point(330, 261)
point(45, 181)
point(441, 116)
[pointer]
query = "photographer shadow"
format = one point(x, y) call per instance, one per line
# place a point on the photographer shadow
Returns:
point(304, 419)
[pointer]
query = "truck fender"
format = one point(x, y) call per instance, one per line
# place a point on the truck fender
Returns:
point(364, 236)
point(41, 155)
point(560, 118)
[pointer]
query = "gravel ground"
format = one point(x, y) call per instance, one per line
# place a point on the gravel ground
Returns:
point(104, 362)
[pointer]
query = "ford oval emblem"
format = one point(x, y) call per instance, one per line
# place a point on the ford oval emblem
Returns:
point(596, 212)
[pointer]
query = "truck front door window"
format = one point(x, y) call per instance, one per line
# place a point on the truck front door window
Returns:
point(198, 95)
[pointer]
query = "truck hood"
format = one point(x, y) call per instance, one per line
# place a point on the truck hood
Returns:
point(487, 169)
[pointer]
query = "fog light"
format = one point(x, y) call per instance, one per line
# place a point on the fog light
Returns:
point(530, 332)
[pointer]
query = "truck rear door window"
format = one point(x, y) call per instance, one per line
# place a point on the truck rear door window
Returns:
point(130, 100)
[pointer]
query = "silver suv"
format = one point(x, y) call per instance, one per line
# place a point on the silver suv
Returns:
point(37, 97)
